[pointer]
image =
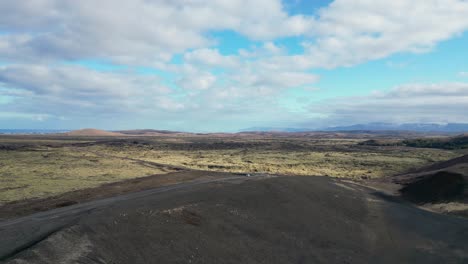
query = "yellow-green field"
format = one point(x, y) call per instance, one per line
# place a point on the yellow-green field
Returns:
point(334, 162)
point(33, 168)
point(31, 174)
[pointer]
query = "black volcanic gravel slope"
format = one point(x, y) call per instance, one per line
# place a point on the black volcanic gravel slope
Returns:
point(275, 220)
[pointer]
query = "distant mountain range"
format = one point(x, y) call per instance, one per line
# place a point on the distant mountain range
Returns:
point(452, 128)
point(416, 127)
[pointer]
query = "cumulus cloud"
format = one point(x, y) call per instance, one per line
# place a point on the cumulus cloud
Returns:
point(65, 88)
point(349, 32)
point(194, 79)
point(211, 58)
point(277, 80)
point(78, 81)
point(133, 31)
point(442, 102)
point(344, 33)
point(41, 39)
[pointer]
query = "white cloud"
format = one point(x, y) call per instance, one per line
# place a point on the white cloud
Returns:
point(37, 33)
point(349, 32)
point(66, 88)
point(77, 82)
point(276, 80)
point(463, 74)
point(356, 31)
point(169, 104)
point(211, 58)
point(272, 48)
point(133, 31)
point(344, 33)
point(442, 102)
point(196, 80)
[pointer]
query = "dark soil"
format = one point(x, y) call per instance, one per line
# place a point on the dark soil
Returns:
point(441, 165)
point(441, 183)
point(277, 220)
point(26, 207)
point(439, 187)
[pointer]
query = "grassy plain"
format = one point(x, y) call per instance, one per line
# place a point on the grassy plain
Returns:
point(301, 156)
point(42, 172)
point(42, 166)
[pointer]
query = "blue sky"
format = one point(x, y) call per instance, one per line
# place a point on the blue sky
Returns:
point(230, 65)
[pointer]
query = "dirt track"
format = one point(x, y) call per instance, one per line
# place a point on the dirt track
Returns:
point(277, 220)
point(26, 207)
